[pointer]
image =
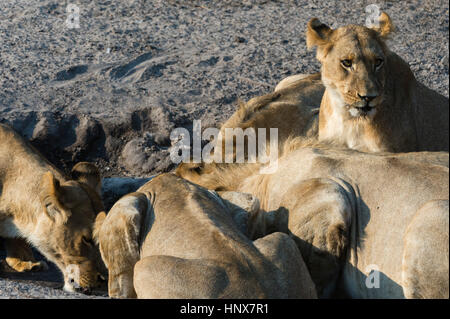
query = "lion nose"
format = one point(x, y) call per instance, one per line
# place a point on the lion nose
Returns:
point(367, 98)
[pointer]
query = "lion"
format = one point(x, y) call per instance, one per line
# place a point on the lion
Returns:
point(364, 92)
point(353, 213)
point(372, 101)
point(55, 214)
point(293, 109)
point(174, 239)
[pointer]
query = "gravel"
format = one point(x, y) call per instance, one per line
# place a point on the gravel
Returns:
point(112, 90)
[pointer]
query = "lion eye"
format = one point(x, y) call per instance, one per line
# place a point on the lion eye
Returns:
point(198, 170)
point(87, 241)
point(378, 62)
point(346, 63)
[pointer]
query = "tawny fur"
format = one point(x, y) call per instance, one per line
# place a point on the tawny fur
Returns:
point(348, 210)
point(405, 116)
point(401, 126)
point(174, 239)
point(41, 207)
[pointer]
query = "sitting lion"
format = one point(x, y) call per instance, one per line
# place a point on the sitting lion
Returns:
point(372, 101)
point(38, 205)
point(351, 213)
point(173, 239)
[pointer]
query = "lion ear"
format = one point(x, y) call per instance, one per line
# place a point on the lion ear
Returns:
point(52, 198)
point(317, 33)
point(87, 173)
point(385, 26)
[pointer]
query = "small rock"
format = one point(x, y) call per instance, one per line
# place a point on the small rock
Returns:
point(239, 39)
point(444, 62)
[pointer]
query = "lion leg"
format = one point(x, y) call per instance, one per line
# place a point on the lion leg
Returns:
point(282, 251)
point(119, 242)
point(319, 219)
point(20, 256)
point(120, 285)
point(425, 264)
point(170, 277)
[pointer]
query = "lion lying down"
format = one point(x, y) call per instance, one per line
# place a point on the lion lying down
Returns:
point(293, 109)
point(352, 212)
point(41, 206)
point(173, 239)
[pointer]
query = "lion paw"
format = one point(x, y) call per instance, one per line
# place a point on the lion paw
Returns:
point(25, 266)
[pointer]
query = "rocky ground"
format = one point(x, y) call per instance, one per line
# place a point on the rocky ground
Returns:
point(112, 90)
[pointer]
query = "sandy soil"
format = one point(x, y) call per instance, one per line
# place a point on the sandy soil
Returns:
point(112, 90)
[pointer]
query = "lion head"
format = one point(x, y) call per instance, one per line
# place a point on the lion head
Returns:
point(71, 208)
point(353, 59)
